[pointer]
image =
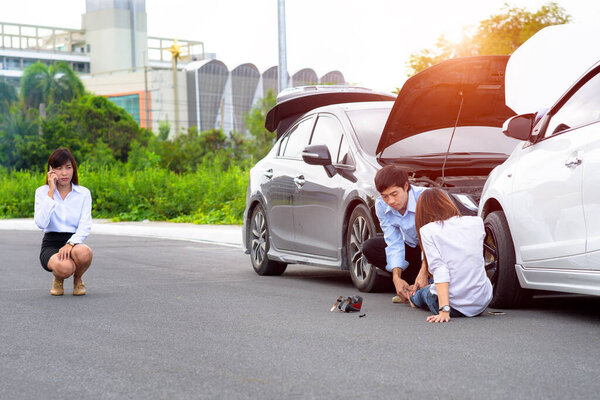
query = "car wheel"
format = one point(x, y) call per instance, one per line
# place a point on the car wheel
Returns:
point(364, 275)
point(259, 245)
point(499, 256)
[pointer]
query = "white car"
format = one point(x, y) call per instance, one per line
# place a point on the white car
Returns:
point(542, 205)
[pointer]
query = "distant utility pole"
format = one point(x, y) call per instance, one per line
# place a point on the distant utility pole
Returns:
point(283, 81)
point(175, 50)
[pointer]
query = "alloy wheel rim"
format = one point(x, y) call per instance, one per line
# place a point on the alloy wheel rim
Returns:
point(259, 238)
point(490, 255)
point(358, 235)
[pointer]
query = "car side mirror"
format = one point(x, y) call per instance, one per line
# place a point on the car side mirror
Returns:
point(519, 127)
point(316, 154)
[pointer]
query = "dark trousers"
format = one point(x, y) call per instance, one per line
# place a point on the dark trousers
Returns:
point(374, 251)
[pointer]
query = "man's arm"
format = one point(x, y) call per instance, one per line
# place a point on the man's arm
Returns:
point(422, 278)
point(402, 287)
point(395, 253)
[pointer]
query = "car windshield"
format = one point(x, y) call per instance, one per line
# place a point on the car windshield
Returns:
point(369, 123)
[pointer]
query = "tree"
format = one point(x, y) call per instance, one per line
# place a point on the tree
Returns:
point(8, 96)
point(43, 84)
point(90, 118)
point(20, 144)
point(261, 140)
point(498, 35)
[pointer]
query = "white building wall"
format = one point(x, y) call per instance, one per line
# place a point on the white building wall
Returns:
point(108, 33)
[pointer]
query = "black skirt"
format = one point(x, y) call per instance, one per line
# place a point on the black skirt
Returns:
point(51, 244)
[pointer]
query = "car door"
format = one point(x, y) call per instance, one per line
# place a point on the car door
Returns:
point(591, 194)
point(318, 198)
point(279, 187)
point(588, 117)
point(555, 185)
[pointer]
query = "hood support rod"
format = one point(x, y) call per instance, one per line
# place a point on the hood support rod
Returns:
point(462, 98)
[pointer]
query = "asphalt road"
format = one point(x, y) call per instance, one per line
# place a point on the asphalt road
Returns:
point(181, 320)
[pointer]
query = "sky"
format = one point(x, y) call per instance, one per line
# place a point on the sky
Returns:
point(368, 41)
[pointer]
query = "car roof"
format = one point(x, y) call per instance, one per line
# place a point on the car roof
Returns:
point(293, 103)
point(365, 105)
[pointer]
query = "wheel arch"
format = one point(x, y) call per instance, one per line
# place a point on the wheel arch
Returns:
point(490, 206)
point(349, 209)
point(255, 201)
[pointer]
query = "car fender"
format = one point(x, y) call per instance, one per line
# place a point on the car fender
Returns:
point(496, 197)
point(252, 200)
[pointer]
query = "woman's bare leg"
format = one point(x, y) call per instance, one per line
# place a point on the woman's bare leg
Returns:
point(82, 258)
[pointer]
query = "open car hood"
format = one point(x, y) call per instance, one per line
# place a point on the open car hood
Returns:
point(465, 91)
point(293, 104)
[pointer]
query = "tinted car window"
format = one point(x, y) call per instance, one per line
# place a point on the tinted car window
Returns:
point(297, 139)
point(328, 131)
point(467, 139)
point(345, 156)
point(583, 107)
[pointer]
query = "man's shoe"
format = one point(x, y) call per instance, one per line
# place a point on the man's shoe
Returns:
point(79, 289)
point(57, 288)
point(396, 299)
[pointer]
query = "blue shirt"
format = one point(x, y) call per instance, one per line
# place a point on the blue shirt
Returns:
point(73, 214)
point(398, 229)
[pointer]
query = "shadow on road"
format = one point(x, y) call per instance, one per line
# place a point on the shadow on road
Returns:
point(580, 306)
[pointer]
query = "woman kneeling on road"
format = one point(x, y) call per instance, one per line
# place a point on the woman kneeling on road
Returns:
point(453, 248)
point(63, 210)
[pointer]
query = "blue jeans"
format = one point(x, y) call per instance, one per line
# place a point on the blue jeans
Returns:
point(423, 298)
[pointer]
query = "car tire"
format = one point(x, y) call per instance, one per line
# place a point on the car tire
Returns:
point(260, 243)
point(499, 256)
point(365, 276)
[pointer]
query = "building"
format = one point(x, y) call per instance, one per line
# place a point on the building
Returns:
point(116, 58)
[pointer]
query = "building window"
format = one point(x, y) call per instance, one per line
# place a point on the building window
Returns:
point(131, 104)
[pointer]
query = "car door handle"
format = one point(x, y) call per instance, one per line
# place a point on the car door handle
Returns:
point(268, 173)
point(299, 181)
point(573, 162)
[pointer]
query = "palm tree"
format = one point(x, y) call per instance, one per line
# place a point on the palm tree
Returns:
point(43, 84)
point(8, 95)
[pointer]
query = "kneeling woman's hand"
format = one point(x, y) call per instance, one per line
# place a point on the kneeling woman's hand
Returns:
point(65, 252)
point(441, 317)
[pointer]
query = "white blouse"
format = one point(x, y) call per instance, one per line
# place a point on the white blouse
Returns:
point(73, 214)
point(454, 250)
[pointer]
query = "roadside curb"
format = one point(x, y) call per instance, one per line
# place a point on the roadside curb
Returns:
point(227, 235)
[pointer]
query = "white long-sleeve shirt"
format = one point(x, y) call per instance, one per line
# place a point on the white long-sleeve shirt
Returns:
point(73, 214)
point(454, 251)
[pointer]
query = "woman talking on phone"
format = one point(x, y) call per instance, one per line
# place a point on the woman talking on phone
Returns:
point(63, 210)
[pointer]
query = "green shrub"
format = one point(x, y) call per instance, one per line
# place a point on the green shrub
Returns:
point(18, 192)
point(212, 194)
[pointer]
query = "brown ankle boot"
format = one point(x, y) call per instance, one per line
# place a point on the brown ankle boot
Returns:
point(78, 289)
point(57, 288)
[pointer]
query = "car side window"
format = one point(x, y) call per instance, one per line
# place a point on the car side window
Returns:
point(345, 157)
point(328, 131)
point(583, 107)
point(297, 139)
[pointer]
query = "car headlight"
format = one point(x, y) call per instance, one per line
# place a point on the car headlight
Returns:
point(466, 201)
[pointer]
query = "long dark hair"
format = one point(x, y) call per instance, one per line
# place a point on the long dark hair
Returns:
point(433, 205)
point(60, 157)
